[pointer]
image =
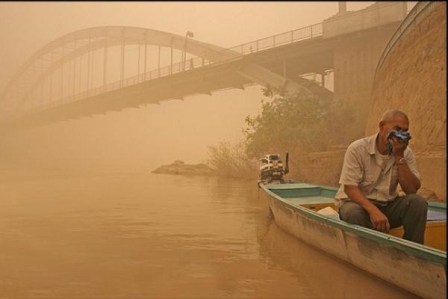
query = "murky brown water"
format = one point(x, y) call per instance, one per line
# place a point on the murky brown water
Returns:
point(158, 236)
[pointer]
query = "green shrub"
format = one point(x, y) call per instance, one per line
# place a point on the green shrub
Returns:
point(231, 160)
point(300, 122)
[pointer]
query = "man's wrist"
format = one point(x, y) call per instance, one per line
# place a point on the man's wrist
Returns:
point(398, 156)
point(400, 160)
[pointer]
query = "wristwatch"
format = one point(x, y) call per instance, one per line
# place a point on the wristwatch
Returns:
point(402, 161)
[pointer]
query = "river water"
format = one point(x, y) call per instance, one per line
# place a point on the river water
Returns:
point(141, 235)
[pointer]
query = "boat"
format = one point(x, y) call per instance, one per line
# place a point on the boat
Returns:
point(308, 212)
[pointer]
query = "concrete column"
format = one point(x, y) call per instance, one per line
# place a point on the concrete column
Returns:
point(73, 77)
point(171, 48)
point(284, 69)
point(80, 75)
point(50, 79)
point(74, 70)
point(342, 6)
point(88, 65)
point(61, 90)
point(122, 60)
point(138, 63)
point(158, 64)
point(146, 46)
point(105, 63)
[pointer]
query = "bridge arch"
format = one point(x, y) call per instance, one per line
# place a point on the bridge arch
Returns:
point(73, 45)
point(58, 77)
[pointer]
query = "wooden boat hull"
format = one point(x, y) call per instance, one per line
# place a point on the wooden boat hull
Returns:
point(416, 268)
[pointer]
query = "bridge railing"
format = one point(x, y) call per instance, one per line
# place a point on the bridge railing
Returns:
point(279, 39)
point(304, 33)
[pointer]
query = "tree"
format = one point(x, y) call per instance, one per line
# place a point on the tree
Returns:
point(300, 122)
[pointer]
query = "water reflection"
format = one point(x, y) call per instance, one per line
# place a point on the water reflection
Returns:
point(324, 276)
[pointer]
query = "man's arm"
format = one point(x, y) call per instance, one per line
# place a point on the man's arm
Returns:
point(409, 182)
point(378, 219)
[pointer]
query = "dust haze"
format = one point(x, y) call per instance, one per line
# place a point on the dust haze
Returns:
point(144, 138)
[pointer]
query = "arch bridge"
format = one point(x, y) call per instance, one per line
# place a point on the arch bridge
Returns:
point(101, 69)
point(102, 64)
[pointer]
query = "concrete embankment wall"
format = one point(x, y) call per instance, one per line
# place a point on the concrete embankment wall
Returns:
point(410, 77)
point(321, 168)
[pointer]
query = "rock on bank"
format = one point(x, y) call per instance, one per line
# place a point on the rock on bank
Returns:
point(179, 167)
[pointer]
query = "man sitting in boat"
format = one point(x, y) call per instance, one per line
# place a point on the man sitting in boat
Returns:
point(373, 167)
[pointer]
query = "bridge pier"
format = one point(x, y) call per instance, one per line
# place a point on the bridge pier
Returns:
point(359, 39)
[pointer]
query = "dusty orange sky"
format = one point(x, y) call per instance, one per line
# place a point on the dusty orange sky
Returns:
point(155, 134)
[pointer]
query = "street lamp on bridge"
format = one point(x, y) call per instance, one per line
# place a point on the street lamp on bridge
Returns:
point(184, 56)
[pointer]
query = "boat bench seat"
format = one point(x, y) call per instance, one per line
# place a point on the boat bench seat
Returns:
point(311, 202)
point(311, 199)
point(436, 215)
